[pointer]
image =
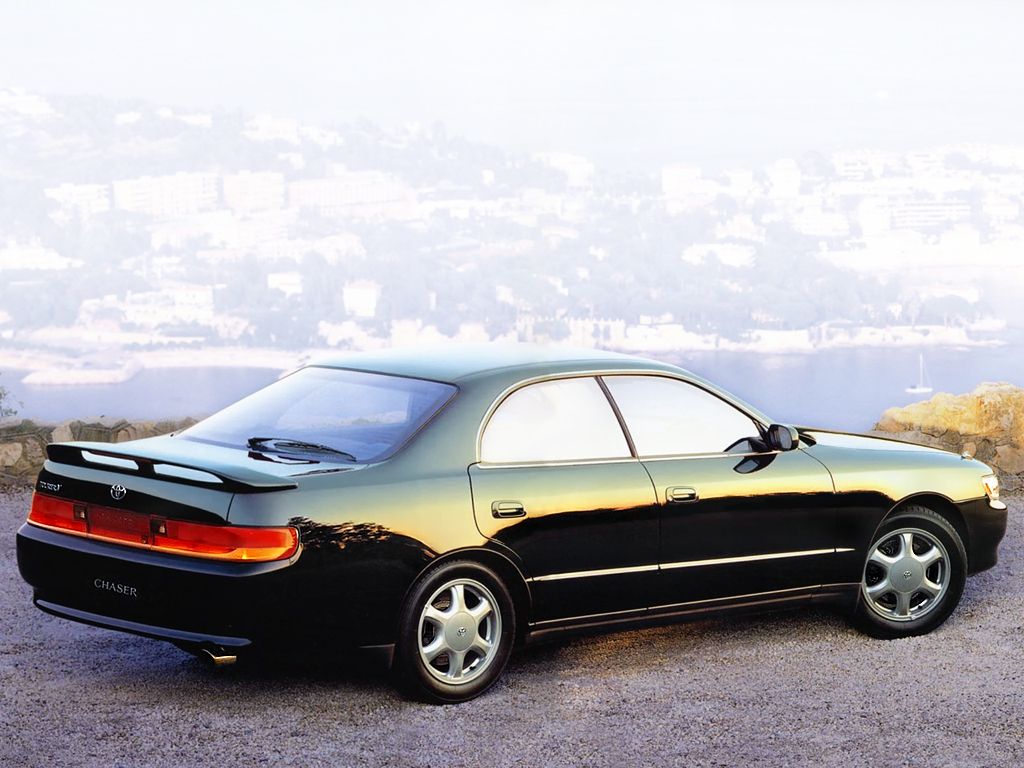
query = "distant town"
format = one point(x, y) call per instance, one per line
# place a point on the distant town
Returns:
point(175, 238)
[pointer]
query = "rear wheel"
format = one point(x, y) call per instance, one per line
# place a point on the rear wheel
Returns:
point(913, 577)
point(456, 633)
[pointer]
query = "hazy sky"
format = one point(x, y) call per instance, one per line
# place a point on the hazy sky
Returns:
point(631, 83)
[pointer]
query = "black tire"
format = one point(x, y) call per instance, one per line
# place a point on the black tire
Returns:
point(432, 681)
point(870, 615)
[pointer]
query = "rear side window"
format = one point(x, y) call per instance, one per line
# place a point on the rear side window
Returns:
point(668, 417)
point(369, 415)
point(565, 420)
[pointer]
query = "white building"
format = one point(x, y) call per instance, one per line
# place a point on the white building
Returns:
point(179, 194)
point(80, 201)
point(355, 193)
point(247, 191)
point(685, 187)
point(860, 165)
point(924, 214)
point(32, 256)
point(361, 297)
point(176, 304)
point(821, 223)
point(784, 179)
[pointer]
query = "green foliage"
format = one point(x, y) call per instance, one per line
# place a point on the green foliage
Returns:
point(6, 406)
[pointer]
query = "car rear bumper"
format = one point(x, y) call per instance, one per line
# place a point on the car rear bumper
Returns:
point(180, 636)
point(180, 599)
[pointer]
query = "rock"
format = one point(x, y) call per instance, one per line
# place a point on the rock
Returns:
point(888, 422)
point(991, 409)
point(23, 443)
point(62, 433)
point(1009, 459)
point(35, 452)
point(130, 432)
point(988, 423)
point(10, 453)
point(986, 451)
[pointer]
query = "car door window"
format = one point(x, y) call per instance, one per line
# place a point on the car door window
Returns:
point(669, 417)
point(564, 420)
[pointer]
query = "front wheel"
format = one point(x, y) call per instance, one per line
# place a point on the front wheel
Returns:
point(455, 633)
point(913, 577)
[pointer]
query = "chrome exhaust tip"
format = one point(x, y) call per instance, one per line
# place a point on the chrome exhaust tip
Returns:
point(217, 657)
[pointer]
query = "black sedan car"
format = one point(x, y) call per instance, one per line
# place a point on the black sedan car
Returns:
point(443, 506)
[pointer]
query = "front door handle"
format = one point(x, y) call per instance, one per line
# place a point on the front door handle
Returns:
point(680, 494)
point(508, 509)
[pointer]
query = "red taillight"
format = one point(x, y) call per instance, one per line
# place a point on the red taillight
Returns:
point(58, 513)
point(226, 542)
point(219, 542)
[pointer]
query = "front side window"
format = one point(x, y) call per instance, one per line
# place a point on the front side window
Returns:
point(667, 417)
point(365, 415)
point(565, 420)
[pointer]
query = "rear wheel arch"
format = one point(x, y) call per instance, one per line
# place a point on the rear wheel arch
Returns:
point(504, 567)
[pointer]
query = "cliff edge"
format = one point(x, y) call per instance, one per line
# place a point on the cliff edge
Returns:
point(987, 423)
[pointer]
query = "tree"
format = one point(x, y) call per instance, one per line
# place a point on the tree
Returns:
point(6, 408)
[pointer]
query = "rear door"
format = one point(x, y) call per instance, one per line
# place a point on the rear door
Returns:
point(557, 483)
point(738, 520)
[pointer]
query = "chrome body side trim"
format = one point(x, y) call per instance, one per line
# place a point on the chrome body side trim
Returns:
point(600, 572)
point(750, 558)
point(687, 564)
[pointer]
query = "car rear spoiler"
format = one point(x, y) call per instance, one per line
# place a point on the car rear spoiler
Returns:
point(215, 475)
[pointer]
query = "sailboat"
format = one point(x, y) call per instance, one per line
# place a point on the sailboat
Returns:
point(923, 386)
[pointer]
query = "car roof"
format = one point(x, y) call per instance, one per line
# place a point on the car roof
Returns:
point(460, 362)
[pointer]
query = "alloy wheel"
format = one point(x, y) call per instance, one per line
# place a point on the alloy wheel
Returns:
point(459, 631)
point(906, 575)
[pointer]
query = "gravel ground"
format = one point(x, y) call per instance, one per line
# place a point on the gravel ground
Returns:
point(798, 688)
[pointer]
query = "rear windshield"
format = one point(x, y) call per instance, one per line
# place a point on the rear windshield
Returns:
point(367, 415)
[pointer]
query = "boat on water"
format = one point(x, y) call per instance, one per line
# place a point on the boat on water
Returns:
point(923, 386)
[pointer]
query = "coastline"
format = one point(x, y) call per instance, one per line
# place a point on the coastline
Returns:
point(53, 369)
point(56, 368)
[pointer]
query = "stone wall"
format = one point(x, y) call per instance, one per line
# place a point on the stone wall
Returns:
point(987, 423)
point(23, 443)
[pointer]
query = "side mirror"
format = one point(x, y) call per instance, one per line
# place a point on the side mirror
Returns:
point(782, 437)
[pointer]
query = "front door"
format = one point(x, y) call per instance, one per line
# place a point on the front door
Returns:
point(738, 520)
point(558, 485)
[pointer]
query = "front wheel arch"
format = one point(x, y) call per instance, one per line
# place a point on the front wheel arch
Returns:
point(938, 504)
point(928, 523)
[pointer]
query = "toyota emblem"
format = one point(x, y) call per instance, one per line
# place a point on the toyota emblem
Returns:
point(118, 492)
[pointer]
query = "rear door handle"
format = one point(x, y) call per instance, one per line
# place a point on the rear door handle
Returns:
point(508, 509)
point(680, 494)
